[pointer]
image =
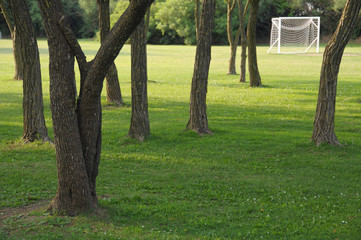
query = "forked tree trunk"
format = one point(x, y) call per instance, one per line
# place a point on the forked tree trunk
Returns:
point(242, 13)
point(16, 51)
point(33, 110)
point(139, 124)
point(232, 39)
point(254, 76)
point(324, 125)
point(77, 126)
point(198, 121)
point(114, 94)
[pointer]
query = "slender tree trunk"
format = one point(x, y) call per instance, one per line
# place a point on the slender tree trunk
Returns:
point(198, 121)
point(197, 16)
point(324, 125)
point(242, 14)
point(33, 110)
point(255, 78)
point(77, 125)
point(16, 51)
point(114, 94)
point(232, 40)
point(139, 124)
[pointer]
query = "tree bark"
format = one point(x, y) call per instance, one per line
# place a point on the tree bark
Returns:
point(198, 121)
point(33, 107)
point(232, 39)
point(242, 14)
point(324, 126)
point(197, 16)
point(16, 51)
point(114, 94)
point(255, 78)
point(77, 125)
point(139, 124)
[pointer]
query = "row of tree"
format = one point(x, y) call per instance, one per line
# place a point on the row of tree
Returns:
point(77, 117)
point(172, 21)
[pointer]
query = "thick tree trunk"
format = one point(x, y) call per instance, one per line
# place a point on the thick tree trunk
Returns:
point(33, 108)
point(73, 194)
point(324, 126)
point(114, 94)
point(242, 14)
point(255, 78)
point(77, 127)
point(198, 121)
point(139, 124)
point(16, 51)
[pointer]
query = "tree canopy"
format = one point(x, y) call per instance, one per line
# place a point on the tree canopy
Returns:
point(172, 21)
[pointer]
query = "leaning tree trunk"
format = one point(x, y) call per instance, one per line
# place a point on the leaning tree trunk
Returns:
point(33, 107)
point(242, 13)
point(77, 125)
point(139, 124)
point(232, 40)
point(255, 78)
point(16, 50)
point(324, 126)
point(114, 94)
point(198, 121)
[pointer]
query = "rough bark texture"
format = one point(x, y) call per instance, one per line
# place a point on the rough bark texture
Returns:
point(324, 126)
point(33, 110)
point(198, 121)
point(139, 124)
point(255, 78)
point(77, 126)
point(16, 50)
point(114, 94)
point(232, 39)
point(242, 15)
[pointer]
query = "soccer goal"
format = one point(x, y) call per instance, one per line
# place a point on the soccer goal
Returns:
point(295, 35)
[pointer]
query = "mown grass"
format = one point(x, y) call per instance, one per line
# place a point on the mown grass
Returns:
point(257, 177)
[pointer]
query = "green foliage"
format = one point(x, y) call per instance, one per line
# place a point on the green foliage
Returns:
point(177, 17)
point(257, 177)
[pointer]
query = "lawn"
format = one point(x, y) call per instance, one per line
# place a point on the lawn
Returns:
point(257, 177)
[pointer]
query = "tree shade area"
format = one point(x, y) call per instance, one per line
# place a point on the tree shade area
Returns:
point(257, 169)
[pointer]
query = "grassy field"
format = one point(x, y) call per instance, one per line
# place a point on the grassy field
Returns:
point(257, 177)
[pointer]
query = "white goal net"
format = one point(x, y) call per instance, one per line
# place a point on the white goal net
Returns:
point(295, 35)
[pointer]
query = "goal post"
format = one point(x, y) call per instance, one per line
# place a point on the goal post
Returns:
point(295, 35)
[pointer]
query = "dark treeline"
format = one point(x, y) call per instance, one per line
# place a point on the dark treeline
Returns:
point(172, 21)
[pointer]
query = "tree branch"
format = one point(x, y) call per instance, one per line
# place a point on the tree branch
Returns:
point(7, 17)
point(73, 43)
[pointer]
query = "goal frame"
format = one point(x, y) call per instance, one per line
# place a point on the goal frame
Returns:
point(313, 20)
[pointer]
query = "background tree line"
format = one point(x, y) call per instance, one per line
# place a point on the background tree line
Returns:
point(172, 21)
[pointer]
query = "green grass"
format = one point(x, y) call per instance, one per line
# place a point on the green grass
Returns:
point(257, 177)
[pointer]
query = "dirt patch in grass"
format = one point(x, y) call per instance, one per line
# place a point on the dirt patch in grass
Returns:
point(25, 210)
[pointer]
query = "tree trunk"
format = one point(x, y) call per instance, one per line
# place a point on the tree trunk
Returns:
point(16, 51)
point(196, 16)
point(77, 126)
point(242, 14)
point(198, 121)
point(232, 40)
point(33, 109)
point(114, 94)
point(324, 126)
point(139, 124)
point(255, 78)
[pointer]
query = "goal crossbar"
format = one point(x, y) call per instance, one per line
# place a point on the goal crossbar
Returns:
point(295, 34)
